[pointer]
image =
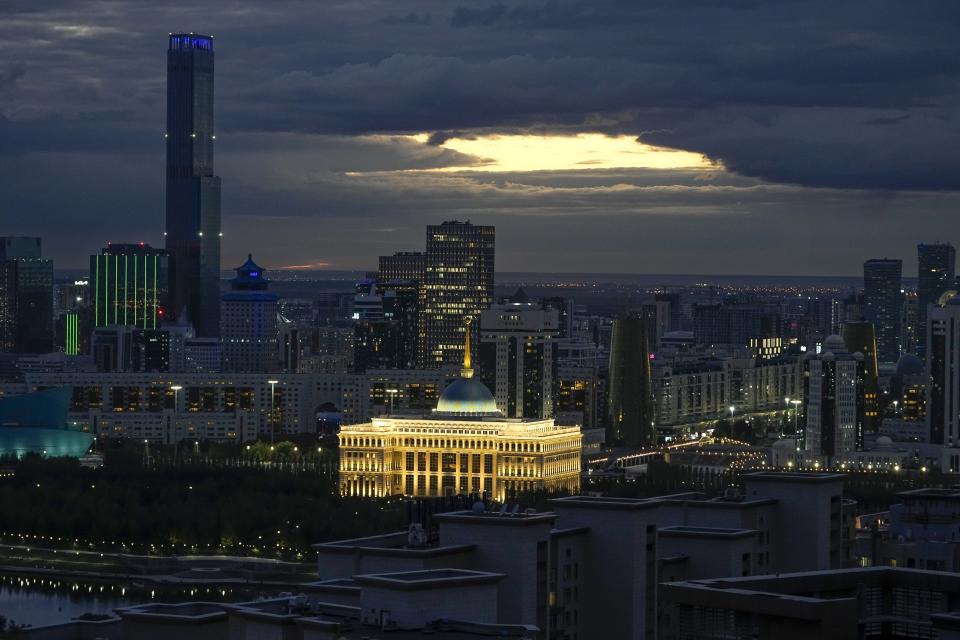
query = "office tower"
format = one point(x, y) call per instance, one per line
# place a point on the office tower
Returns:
point(630, 419)
point(833, 402)
point(386, 325)
point(859, 337)
point(130, 285)
point(193, 191)
point(403, 265)
point(910, 323)
point(936, 274)
point(883, 304)
point(248, 323)
point(517, 357)
point(943, 372)
point(458, 284)
point(26, 296)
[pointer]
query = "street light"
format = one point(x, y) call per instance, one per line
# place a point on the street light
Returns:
point(273, 386)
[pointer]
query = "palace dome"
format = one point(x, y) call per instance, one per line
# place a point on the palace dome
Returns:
point(467, 397)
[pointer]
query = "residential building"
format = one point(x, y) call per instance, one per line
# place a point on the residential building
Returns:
point(943, 378)
point(860, 337)
point(833, 402)
point(936, 275)
point(517, 357)
point(874, 602)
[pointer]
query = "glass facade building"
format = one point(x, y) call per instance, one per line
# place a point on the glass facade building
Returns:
point(130, 285)
point(26, 296)
point(883, 305)
point(936, 275)
point(193, 191)
point(458, 283)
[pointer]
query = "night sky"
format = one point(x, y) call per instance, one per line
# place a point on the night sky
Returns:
point(667, 136)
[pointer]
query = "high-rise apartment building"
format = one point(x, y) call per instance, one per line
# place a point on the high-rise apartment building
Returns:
point(630, 408)
point(248, 323)
point(883, 304)
point(936, 274)
point(859, 337)
point(193, 191)
point(517, 359)
point(26, 296)
point(458, 283)
point(130, 285)
point(386, 321)
point(833, 402)
point(943, 371)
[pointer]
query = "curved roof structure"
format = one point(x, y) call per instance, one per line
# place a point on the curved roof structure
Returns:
point(37, 423)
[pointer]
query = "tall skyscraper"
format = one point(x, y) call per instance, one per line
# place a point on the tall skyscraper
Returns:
point(458, 283)
point(249, 323)
point(883, 304)
point(859, 337)
point(936, 274)
point(130, 285)
point(630, 419)
point(193, 191)
point(943, 374)
point(26, 296)
point(518, 344)
point(833, 402)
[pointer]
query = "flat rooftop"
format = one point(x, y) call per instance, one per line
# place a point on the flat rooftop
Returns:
point(706, 532)
point(182, 612)
point(605, 502)
point(389, 544)
point(429, 578)
point(939, 494)
point(497, 518)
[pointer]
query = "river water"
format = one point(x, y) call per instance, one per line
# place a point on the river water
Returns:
point(41, 601)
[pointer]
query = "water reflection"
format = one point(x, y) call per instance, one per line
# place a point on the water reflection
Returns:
point(37, 601)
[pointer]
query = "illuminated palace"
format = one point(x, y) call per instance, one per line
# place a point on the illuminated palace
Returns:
point(465, 446)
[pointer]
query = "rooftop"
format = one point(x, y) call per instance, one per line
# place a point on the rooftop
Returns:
point(706, 532)
point(604, 502)
point(429, 578)
point(505, 518)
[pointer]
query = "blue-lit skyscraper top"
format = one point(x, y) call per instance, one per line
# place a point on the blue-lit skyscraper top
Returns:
point(187, 41)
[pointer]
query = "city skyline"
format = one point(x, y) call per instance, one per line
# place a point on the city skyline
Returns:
point(335, 146)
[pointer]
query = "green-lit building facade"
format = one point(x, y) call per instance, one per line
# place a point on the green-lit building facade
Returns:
point(129, 284)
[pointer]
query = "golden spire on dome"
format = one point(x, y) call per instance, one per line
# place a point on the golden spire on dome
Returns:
point(466, 372)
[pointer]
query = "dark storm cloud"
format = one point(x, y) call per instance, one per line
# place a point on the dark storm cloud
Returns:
point(852, 103)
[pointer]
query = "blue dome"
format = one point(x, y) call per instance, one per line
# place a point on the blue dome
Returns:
point(467, 397)
point(909, 365)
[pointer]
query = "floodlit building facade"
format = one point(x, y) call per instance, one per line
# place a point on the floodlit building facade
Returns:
point(465, 446)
